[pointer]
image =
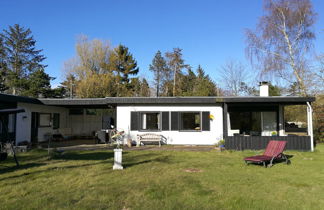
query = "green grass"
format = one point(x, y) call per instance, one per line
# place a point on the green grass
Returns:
point(157, 180)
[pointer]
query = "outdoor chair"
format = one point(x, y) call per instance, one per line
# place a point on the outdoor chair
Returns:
point(273, 152)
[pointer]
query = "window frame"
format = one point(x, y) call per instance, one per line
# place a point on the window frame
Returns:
point(190, 130)
point(140, 129)
point(49, 123)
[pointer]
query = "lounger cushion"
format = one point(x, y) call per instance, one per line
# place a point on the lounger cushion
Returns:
point(258, 158)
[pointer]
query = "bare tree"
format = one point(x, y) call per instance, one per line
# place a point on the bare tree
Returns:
point(282, 39)
point(234, 77)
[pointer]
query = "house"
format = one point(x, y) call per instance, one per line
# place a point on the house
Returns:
point(244, 122)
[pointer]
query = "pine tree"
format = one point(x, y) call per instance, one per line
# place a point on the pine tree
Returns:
point(123, 63)
point(38, 83)
point(145, 89)
point(3, 87)
point(160, 70)
point(21, 57)
point(187, 83)
point(204, 86)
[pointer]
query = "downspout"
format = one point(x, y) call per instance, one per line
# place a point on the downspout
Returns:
point(310, 124)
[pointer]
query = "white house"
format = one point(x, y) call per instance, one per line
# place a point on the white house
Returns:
point(244, 122)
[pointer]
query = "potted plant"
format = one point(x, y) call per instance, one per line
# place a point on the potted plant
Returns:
point(221, 144)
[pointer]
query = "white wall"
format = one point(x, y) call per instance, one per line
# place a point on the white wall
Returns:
point(23, 125)
point(177, 137)
point(79, 125)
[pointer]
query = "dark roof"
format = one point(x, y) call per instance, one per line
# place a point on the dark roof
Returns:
point(11, 111)
point(175, 100)
point(14, 99)
point(103, 102)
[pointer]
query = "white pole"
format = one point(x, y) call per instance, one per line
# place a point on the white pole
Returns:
point(310, 124)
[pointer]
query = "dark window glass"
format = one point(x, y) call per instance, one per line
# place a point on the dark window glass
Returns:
point(246, 123)
point(150, 121)
point(190, 121)
point(56, 121)
point(76, 112)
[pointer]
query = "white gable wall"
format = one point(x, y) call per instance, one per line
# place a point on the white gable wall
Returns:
point(176, 137)
point(23, 125)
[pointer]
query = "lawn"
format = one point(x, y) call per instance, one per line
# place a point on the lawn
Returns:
point(159, 180)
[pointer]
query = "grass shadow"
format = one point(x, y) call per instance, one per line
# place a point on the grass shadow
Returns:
point(161, 159)
point(8, 169)
point(102, 155)
point(47, 169)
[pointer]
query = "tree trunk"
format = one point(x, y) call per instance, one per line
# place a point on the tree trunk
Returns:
point(174, 84)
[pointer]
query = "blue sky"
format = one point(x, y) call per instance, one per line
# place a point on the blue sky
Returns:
point(209, 32)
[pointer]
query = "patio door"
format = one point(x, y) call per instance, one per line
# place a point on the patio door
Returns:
point(34, 127)
point(269, 123)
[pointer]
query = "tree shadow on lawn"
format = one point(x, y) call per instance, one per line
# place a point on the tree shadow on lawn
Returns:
point(8, 169)
point(101, 155)
point(46, 170)
point(129, 162)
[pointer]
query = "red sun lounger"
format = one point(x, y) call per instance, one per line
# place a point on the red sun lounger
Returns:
point(274, 151)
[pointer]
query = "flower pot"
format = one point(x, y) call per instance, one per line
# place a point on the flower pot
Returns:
point(222, 147)
point(118, 155)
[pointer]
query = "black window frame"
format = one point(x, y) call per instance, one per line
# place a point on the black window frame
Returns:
point(140, 120)
point(190, 130)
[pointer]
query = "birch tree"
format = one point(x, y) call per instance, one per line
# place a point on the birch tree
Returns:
point(282, 39)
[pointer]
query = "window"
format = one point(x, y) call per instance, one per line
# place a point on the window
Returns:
point(150, 121)
point(11, 123)
point(76, 111)
point(190, 121)
point(91, 111)
point(56, 120)
point(170, 121)
point(44, 120)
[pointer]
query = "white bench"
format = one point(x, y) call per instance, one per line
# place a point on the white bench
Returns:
point(150, 137)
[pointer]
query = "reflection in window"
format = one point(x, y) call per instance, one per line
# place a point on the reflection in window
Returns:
point(190, 121)
point(150, 121)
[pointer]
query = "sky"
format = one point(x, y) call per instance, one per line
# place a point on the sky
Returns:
point(210, 32)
